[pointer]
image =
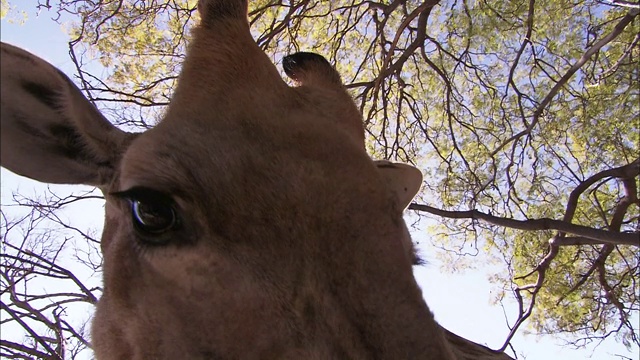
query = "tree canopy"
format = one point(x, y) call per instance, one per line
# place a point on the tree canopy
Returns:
point(523, 116)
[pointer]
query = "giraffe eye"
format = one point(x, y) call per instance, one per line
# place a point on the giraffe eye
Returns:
point(152, 214)
point(152, 217)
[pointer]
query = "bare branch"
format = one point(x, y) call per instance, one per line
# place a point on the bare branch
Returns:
point(603, 236)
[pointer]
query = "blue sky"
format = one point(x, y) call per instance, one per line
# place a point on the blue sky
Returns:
point(461, 302)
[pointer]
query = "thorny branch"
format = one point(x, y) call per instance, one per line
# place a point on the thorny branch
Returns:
point(626, 20)
point(609, 239)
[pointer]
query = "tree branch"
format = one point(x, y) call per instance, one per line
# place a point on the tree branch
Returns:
point(626, 20)
point(603, 236)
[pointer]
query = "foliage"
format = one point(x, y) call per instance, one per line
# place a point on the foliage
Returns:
point(10, 13)
point(523, 116)
point(4, 8)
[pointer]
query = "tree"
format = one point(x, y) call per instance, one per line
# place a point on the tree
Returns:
point(523, 116)
point(38, 244)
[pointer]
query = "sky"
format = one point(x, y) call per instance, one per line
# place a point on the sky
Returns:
point(461, 302)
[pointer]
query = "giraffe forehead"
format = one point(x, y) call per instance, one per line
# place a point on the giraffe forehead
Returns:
point(281, 150)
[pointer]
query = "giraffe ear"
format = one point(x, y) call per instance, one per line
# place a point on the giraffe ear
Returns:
point(50, 131)
point(403, 179)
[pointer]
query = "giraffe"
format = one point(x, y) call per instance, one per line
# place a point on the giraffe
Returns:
point(249, 223)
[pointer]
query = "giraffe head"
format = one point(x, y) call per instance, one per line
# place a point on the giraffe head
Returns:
point(249, 223)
